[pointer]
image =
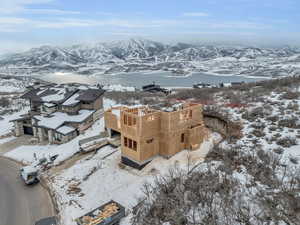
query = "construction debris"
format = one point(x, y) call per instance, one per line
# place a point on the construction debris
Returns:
point(110, 213)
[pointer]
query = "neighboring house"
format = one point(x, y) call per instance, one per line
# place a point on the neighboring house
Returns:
point(147, 133)
point(155, 88)
point(58, 113)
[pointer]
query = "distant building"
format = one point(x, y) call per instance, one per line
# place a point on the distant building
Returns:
point(147, 133)
point(58, 113)
point(155, 88)
point(204, 85)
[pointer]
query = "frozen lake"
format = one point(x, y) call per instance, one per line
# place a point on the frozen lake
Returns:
point(165, 79)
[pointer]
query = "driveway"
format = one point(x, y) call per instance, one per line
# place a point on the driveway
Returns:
point(14, 143)
point(20, 204)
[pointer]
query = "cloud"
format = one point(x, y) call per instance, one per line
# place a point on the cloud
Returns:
point(11, 24)
point(51, 12)
point(195, 14)
point(15, 6)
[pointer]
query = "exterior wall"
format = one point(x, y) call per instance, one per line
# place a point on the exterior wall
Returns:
point(59, 138)
point(98, 104)
point(19, 131)
point(149, 147)
point(47, 110)
point(71, 109)
point(98, 114)
point(86, 124)
point(196, 137)
point(176, 124)
point(19, 126)
point(35, 106)
point(130, 153)
point(42, 134)
point(51, 136)
point(35, 131)
point(111, 121)
point(158, 133)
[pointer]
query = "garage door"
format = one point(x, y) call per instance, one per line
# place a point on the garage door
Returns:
point(28, 130)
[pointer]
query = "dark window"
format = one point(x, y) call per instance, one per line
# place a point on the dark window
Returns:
point(125, 119)
point(149, 141)
point(191, 114)
point(182, 138)
point(125, 142)
point(130, 143)
point(129, 121)
point(134, 145)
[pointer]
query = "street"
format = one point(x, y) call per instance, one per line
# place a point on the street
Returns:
point(20, 204)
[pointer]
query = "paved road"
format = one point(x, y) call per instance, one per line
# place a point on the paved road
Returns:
point(20, 204)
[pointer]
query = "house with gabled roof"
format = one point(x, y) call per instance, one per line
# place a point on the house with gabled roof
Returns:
point(59, 113)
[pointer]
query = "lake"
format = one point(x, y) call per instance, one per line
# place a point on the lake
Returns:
point(165, 79)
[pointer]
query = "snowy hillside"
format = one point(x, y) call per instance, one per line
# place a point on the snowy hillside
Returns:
point(137, 55)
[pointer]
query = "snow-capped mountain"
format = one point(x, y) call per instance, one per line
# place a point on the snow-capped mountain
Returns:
point(141, 55)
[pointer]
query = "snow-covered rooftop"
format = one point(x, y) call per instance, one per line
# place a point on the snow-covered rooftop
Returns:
point(49, 105)
point(65, 130)
point(59, 118)
point(72, 101)
point(59, 95)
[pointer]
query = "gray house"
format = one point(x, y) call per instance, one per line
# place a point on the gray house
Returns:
point(59, 113)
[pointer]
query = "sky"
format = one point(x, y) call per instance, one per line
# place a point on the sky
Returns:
point(31, 23)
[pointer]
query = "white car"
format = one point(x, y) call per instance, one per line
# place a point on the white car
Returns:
point(29, 174)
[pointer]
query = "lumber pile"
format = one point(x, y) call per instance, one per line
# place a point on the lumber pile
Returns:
point(100, 215)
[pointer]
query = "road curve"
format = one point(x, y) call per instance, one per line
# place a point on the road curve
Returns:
point(20, 204)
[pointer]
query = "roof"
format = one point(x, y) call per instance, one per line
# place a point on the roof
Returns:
point(21, 117)
point(64, 94)
point(50, 94)
point(65, 130)
point(49, 105)
point(57, 119)
point(72, 101)
point(90, 94)
point(29, 169)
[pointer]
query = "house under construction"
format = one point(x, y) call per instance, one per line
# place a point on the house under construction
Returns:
point(147, 132)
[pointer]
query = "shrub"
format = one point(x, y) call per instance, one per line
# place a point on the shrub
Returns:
point(294, 160)
point(278, 150)
point(4, 102)
point(258, 133)
point(293, 106)
point(287, 142)
point(290, 95)
point(289, 123)
point(273, 119)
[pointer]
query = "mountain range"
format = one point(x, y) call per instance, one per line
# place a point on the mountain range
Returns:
point(138, 55)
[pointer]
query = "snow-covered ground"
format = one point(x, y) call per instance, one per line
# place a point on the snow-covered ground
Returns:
point(11, 85)
point(107, 180)
point(5, 125)
point(30, 153)
point(100, 180)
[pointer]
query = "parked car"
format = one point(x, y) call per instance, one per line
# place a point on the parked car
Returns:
point(29, 174)
point(47, 221)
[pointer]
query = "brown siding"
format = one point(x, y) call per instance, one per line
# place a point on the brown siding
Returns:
point(71, 109)
point(158, 133)
point(111, 121)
